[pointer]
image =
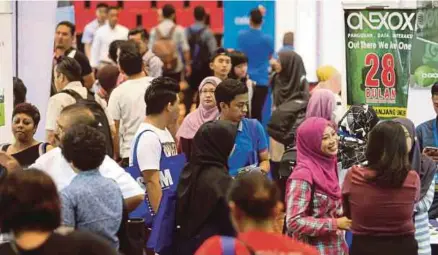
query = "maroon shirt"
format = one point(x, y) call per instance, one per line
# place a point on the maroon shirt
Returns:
point(380, 211)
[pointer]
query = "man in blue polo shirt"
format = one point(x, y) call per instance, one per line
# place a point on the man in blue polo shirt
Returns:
point(251, 147)
point(259, 48)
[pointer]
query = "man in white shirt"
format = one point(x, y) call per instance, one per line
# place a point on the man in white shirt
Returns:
point(67, 76)
point(152, 63)
point(91, 28)
point(179, 38)
point(104, 36)
point(162, 109)
point(55, 165)
point(126, 104)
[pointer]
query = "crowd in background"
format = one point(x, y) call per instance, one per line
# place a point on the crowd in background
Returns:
point(158, 135)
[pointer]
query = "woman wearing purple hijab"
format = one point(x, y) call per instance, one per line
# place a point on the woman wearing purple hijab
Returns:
point(314, 205)
point(207, 111)
point(322, 104)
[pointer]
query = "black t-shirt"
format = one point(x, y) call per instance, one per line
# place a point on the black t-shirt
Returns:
point(82, 60)
point(76, 243)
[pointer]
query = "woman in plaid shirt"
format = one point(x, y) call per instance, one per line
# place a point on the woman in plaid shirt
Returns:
point(319, 222)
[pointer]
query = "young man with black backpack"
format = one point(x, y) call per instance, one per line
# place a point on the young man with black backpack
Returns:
point(67, 79)
point(203, 45)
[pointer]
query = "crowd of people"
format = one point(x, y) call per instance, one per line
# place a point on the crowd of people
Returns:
point(164, 152)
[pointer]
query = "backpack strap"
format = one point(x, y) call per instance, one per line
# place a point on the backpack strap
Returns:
point(158, 32)
point(42, 148)
point(228, 245)
point(72, 93)
point(172, 30)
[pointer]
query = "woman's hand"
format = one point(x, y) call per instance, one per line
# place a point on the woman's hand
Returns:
point(343, 223)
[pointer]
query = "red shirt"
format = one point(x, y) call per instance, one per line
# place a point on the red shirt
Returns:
point(380, 211)
point(261, 242)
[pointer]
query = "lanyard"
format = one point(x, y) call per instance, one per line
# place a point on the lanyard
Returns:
point(435, 133)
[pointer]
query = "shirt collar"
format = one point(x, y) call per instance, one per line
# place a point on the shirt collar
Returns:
point(72, 85)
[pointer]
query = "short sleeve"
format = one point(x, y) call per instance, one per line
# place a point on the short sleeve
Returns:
point(347, 182)
point(127, 184)
point(67, 209)
point(113, 106)
point(262, 143)
point(149, 152)
point(54, 109)
point(87, 36)
point(84, 63)
point(183, 40)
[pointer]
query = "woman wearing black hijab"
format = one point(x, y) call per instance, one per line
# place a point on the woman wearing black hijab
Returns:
point(201, 207)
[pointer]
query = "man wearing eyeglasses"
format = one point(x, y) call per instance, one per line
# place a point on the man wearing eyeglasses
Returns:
point(251, 147)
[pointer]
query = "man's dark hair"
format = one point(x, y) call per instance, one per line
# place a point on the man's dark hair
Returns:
point(79, 114)
point(387, 154)
point(227, 91)
point(29, 202)
point(139, 30)
point(28, 109)
point(434, 89)
point(161, 92)
point(255, 195)
point(288, 38)
point(199, 13)
point(168, 11)
point(219, 52)
point(20, 91)
point(68, 24)
point(130, 59)
point(110, 8)
point(84, 146)
point(70, 68)
point(256, 16)
point(102, 5)
point(113, 47)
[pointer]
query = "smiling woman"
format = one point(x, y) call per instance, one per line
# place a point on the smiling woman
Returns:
point(25, 149)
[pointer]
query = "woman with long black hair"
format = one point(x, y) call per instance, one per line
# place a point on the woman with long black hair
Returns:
point(380, 197)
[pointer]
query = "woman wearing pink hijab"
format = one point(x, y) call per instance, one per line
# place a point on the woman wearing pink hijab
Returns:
point(322, 104)
point(314, 206)
point(207, 111)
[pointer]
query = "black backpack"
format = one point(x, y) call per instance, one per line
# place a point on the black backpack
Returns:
point(99, 115)
point(198, 50)
point(285, 121)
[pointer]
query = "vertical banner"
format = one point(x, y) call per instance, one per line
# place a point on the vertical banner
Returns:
point(378, 46)
point(424, 62)
point(236, 18)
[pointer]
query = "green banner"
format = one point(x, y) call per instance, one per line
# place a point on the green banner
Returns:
point(425, 48)
point(378, 45)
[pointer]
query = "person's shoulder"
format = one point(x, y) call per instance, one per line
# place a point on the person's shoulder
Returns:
point(211, 246)
point(86, 239)
point(426, 124)
point(48, 157)
point(412, 176)
point(122, 28)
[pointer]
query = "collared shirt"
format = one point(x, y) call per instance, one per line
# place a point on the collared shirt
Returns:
point(104, 36)
point(61, 100)
point(54, 164)
point(90, 30)
point(206, 36)
point(258, 47)
point(153, 64)
point(127, 105)
point(93, 203)
point(179, 37)
point(249, 142)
